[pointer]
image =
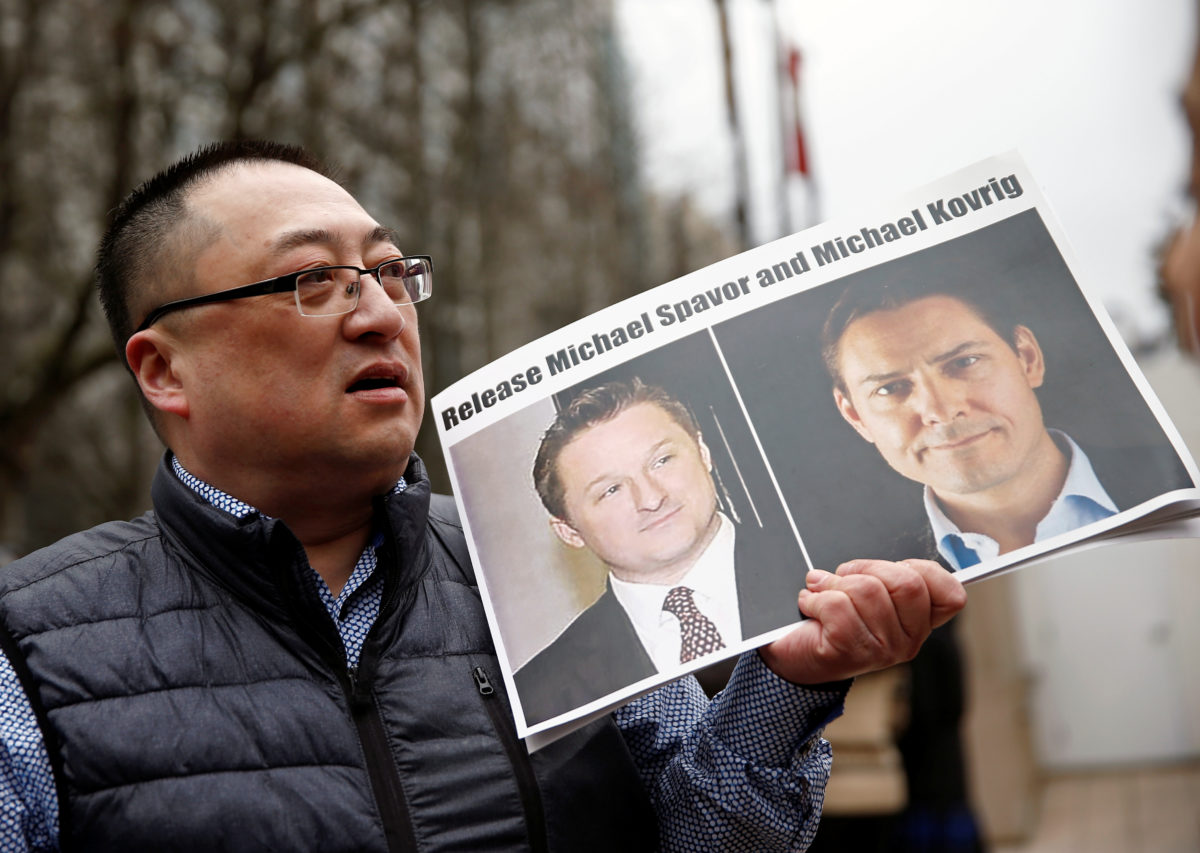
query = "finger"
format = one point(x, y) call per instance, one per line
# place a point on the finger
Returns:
point(947, 595)
point(897, 624)
point(873, 612)
point(945, 591)
point(815, 579)
point(907, 590)
point(842, 629)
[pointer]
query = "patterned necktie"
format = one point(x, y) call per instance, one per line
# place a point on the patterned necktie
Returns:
point(699, 636)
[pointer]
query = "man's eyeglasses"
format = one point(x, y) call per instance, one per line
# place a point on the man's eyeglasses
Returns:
point(324, 291)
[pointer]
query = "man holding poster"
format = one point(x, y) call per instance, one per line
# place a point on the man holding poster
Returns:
point(290, 652)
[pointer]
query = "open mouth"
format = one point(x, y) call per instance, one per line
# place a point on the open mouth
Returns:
point(379, 377)
point(374, 383)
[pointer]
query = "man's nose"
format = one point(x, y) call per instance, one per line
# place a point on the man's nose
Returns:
point(937, 401)
point(375, 313)
point(648, 493)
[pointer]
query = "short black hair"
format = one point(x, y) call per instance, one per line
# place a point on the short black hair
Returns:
point(139, 237)
point(586, 409)
point(866, 295)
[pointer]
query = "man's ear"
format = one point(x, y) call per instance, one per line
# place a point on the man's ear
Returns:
point(564, 531)
point(151, 358)
point(850, 414)
point(1029, 351)
point(705, 453)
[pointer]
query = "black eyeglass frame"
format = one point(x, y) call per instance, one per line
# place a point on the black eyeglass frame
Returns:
point(284, 284)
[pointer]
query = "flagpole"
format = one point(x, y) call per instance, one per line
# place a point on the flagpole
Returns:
point(795, 149)
point(740, 169)
point(785, 170)
point(812, 197)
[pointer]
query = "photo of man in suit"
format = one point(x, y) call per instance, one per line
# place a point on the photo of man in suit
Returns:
point(944, 383)
point(625, 472)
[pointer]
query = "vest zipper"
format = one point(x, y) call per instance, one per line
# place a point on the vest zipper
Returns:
point(381, 769)
point(518, 757)
point(355, 682)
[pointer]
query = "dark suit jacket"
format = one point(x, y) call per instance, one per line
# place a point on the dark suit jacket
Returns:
point(599, 652)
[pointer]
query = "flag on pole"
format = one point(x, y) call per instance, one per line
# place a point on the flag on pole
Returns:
point(799, 156)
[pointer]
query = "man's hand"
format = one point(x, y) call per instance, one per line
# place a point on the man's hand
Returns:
point(868, 616)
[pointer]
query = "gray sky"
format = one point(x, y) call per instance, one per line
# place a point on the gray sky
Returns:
point(898, 94)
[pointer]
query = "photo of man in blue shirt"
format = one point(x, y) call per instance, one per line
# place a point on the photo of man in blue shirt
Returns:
point(945, 388)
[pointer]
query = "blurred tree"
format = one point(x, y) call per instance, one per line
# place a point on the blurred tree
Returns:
point(495, 134)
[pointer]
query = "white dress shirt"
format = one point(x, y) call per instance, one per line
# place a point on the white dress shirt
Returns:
point(714, 588)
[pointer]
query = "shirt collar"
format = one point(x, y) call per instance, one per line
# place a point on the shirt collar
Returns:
point(1081, 500)
point(216, 497)
point(1081, 477)
point(228, 503)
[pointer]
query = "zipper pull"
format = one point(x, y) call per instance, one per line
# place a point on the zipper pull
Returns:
point(359, 698)
point(482, 682)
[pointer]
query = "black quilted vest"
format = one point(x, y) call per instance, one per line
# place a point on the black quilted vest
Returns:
point(194, 697)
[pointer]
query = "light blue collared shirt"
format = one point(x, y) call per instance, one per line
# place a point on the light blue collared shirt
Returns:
point(1081, 501)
